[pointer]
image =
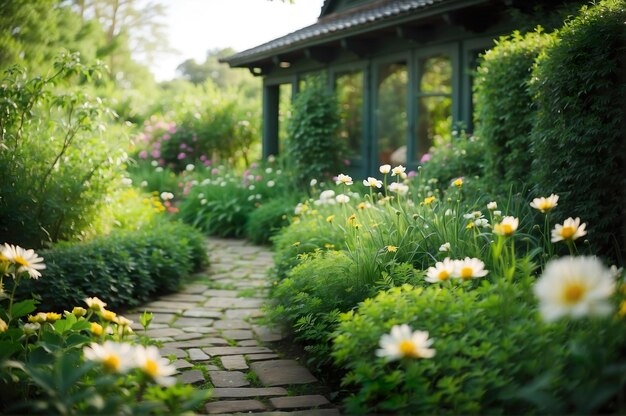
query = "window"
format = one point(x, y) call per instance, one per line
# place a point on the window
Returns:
point(391, 115)
point(349, 89)
point(434, 103)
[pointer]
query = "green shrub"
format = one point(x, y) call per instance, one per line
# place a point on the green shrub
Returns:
point(578, 139)
point(313, 148)
point(268, 219)
point(504, 107)
point(58, 157)
point(493, 355)
point(124, 269)
point(464, 156)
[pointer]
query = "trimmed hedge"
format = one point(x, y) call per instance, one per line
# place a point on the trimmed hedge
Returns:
point(123, 269)
point(504, 108)
point(578, 138)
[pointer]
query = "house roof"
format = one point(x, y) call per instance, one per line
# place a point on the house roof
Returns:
point(328, 26)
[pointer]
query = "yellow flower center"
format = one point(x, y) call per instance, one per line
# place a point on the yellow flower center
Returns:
point(109, 315)
point(573, 293)
point(330, 218)
point(151, 368)
point(111, 363)
point(392, 249)
point(407, 348)
point(567, 232)
point(443, 275)
point(96, 328)
point(545, 205)
point(506, 229)
point(20, 260)
point(467, 273)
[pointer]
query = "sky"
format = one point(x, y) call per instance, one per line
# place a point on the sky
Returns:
point(196, 26)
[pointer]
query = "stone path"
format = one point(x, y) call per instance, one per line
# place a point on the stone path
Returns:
point(211, 330)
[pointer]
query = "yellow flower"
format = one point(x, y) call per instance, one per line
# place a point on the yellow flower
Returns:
point(330, 218)
point(458, 182)
point(96, 328)
point(352, 219)
point(329, 246)
point(429, 200)
point(95, 304)
point(544, 204)
point(470, 226)
point(52, 316)
point(296, 244)
point(39, 318)
point(507, 227)
point(78, 311)
point(361, 206)
point(392, 249)
point(108, 315)
point(570, 230)
point(3, 326)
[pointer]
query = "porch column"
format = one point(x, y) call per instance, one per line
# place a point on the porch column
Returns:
point(270, 120)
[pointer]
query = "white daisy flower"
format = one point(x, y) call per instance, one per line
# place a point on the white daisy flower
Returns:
point(442, 271)
point(575, 287)
point(398, 170)
point(544, 204)
point(571, 229)
point(149, 360)
point(115, 357)
point(507, 226)
point(445, 247)
point(342, 199)
point(399, 188)
point(95, 304)
point(345, 179)
point(469, 268)
point(493, 205)
point(402, 342)
point(372, 182)
point(385, 169)
point(25, 261)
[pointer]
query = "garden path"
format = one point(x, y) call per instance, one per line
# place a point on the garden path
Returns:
point(212, 327)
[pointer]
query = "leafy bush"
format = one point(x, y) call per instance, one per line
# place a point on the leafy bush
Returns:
point(578, 138)
point(124, 269)
point(80, 362)
point(313, 149)
point(56, 159)
point(464, 156)
point(504, 106)
point(493, 355)
point(269, 218)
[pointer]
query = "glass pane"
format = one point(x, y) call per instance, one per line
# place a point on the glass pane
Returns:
point(284, 113)
point(391, 114)
point(349, 88)
point(436, 75)
point(434, 122)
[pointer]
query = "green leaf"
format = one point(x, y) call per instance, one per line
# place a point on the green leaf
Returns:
point(23, 308)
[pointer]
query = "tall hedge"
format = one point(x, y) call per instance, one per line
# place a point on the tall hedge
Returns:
point(579, 87)
point(504, 109)
point(313, 146)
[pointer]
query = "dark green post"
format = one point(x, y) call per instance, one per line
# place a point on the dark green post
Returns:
point(270, 120)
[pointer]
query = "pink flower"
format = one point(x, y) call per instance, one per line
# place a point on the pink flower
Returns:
point(254, 165)
point(183, 146)
point(207, 163)
point(346, 162)
point(156, 153)
point(143, 154)
point(172, 127)
point(258, 178)
point(425, 158)
point(215, 171)
point(202, 158)
point(156, 145)
point(166, 137)
point(181, 156)
point(411, 174)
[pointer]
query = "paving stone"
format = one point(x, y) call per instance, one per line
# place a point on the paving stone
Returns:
point(231, 324)
point(161, 318)
point(241, 392)
point(247, 343)
point(171, 305)
point(202, 313)
point(228, 379)
point(218, 351)
point(299, 402)
point(163, 339)
point(194, 289)
point(187, 336)
point(231, 406)
point(166, 351)
point(163, 332)
point(196, 354)
point(261, 357)
point(267, 334)
point(191, 377)
point(308, 412)
point(237, 334)
point(182, 364)
point(196, 343)
point(199, 329)
point(182, 297)
point(252, 284)
point(183, 321)
point(153, 309)
point(234, 303)
point(282, 372)
point(136, 326)
point(243, 313)
point(217, 293)
point(234, 362)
